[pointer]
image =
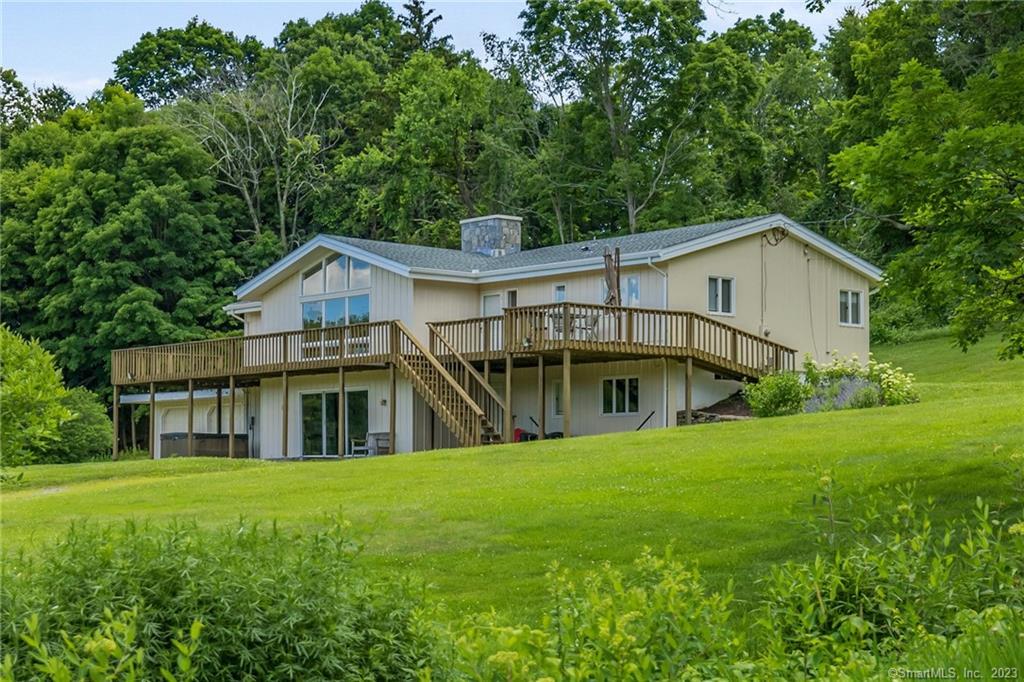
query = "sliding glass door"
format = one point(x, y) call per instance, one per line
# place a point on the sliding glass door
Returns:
point(320, 421)
point(320, 424)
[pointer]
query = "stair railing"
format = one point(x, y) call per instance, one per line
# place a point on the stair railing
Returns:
point(440, 389)
point(478, 388)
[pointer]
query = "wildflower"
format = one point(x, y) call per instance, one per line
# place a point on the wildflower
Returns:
point(1017, 528)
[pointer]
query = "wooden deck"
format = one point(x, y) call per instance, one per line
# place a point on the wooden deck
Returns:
point(595, 331)
point(443, 371)
point(615, 332)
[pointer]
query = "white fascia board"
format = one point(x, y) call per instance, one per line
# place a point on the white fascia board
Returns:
point(177, 396)
point(321, 240)
point(242, 307)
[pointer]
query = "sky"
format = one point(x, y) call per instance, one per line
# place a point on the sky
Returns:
point(74, 44)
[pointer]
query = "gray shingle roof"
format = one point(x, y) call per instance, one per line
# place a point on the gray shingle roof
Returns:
point(433, 258)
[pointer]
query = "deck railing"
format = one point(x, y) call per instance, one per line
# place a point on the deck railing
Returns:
point(529, 329)
point(613, 329)
point(331, 347)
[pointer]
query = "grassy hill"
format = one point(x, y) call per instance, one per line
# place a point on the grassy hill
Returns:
point(483, 525)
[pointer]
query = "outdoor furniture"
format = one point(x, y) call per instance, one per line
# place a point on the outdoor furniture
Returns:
point(379, 443)
point(358, 447)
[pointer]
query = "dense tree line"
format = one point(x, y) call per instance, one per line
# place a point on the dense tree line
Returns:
point(129, 217)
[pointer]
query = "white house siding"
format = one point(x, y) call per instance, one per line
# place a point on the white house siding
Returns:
point(436, 301)
point(390, 296)
point(281, 307)
point(580, 287)
point(586, 396)
point(801, 293)
point(269, 422)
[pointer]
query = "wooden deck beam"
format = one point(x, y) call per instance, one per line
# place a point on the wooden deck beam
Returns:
point(190, 444)
point(507, 427)
point(566, 393)
point(342, 445)
point(540, 398)
point(689, 390)
point(231, 417)
point(392, 398)
point(284, 414)
point(116, 420)
point(152, 420)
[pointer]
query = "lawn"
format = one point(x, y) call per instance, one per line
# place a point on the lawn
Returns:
point(482, 525)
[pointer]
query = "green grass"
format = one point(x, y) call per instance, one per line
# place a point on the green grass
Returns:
point(483, 525)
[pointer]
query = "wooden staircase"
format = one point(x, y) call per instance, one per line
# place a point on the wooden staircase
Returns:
point(443, 392)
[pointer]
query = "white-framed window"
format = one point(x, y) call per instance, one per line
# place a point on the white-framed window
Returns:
point(632, 298)
point(511, 298)
point(335, 312)
point(620, 395)
point(558, 295)
point(721, 295)
point(851, 308)
point(556, 398)
point(335, 273)
point(490, 304)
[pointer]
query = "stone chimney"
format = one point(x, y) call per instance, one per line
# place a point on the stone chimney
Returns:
point(492, 235)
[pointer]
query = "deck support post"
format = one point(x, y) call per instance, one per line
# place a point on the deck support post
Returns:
point(231, 417)
point(117, 425)
point(191, 418)
point(566, 393)
point(689, 390)
point(487, 371)
point(507, 426)
point(540, 398)
point(341, 413)
point(152, 420)
point(284, 414)
point(392, 393)
point(220, 410)
point(135, 435)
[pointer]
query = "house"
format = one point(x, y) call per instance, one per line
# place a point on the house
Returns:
point(436, 347)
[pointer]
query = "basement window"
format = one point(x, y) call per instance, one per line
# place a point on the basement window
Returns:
point(850, 308)
point(620, 395)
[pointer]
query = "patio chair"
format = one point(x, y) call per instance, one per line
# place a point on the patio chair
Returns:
point(358, 447)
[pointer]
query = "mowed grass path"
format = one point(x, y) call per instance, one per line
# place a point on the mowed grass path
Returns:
point(483, 525)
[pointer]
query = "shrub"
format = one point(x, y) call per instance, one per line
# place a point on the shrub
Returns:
point(87, 435)
point(31, 392)
point(110, 652)
point(658, 622)
point(848, 392)
point(273, 605)
point(864, 397)
point(895, 387)
point(777, 394)
point(902, 582)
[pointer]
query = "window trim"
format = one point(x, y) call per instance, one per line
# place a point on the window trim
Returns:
point(860, 308)
point(554, 292)
point(732, 295)
point(510, 293)
point(626, 378)
point(556, 399)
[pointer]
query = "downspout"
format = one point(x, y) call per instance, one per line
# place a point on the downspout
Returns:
point(664, 361)
point(664, 282)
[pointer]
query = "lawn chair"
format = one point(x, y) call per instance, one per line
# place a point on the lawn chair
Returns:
point(358, 447)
